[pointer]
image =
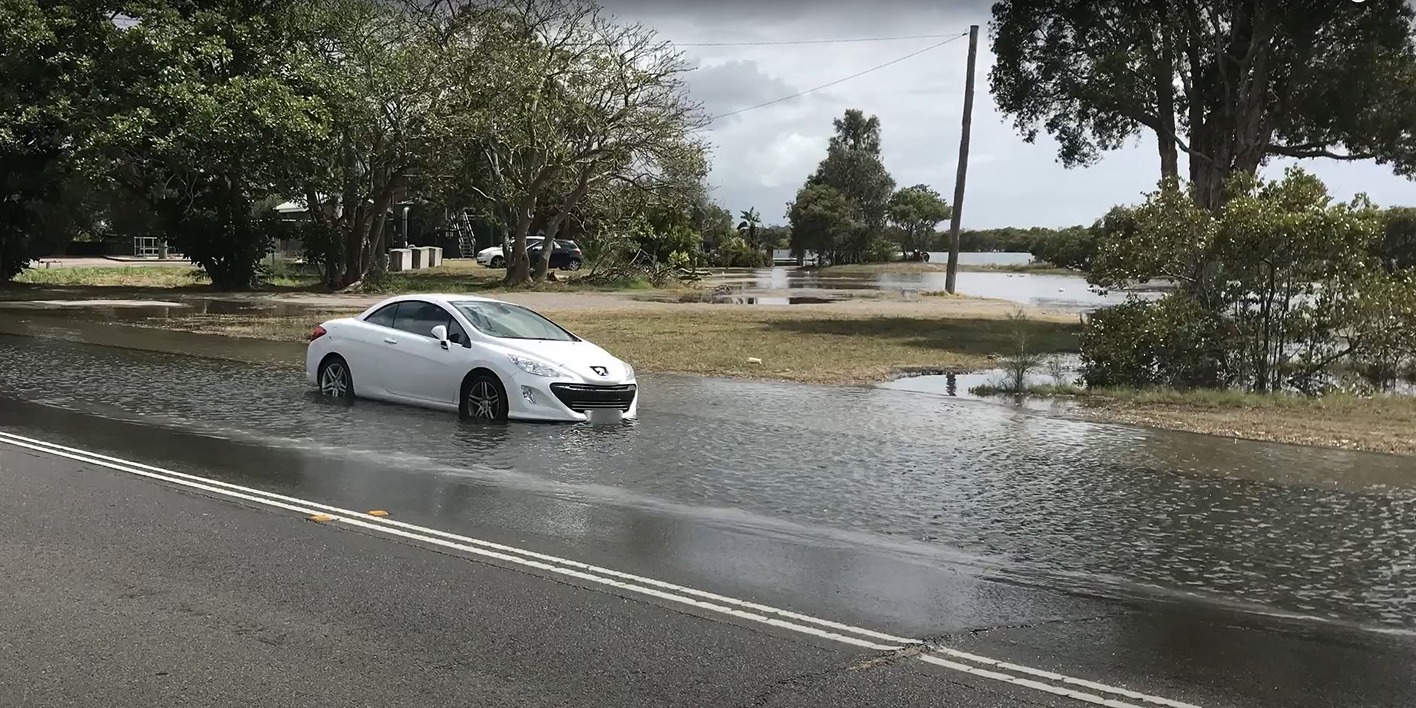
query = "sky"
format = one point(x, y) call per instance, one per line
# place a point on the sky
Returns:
point(762, 156)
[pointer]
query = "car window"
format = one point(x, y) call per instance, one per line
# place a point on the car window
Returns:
point(567, 245)
point(383, 316)
point(507, 321)
point(456, 334)
point(418, 317)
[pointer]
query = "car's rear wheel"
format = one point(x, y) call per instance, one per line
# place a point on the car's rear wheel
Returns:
point(574, 264)
point(497, 262)
point(334, 378)
point(483, 398)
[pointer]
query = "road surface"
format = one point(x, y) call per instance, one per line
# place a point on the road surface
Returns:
point(169, 574)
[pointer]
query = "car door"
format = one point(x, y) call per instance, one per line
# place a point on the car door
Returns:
point(420, 368)
point(366, 350)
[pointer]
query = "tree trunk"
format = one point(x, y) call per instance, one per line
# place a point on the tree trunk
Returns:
point(1163, 68)
point(518, 271)
point(543, 264)
point(548, 247)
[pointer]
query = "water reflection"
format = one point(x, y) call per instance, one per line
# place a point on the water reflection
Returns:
point(1317, 532)
point(1060, 292)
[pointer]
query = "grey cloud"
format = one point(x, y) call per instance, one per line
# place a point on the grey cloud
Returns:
point(735, 85)
point(831, 18)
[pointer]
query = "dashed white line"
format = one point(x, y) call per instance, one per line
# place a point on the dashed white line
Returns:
point(741, 609)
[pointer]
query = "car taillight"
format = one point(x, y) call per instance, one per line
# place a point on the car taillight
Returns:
point(317, 332)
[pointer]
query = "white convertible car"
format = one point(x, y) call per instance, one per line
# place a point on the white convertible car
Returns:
point(481, 357)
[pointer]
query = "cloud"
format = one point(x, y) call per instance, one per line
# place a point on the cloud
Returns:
point(762, 155)
point(734, 85)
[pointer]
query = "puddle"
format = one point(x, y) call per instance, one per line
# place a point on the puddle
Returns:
point(960, 385)
point(49, 304)
point(140, 310)
point(752, 300)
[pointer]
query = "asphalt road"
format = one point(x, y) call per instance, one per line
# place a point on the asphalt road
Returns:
point(132, 586)
point(123, 592)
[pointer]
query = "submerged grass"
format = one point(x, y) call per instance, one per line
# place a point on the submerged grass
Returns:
point(941, 267)
point(803, 345)
point(1382, 423)
point(453, 276)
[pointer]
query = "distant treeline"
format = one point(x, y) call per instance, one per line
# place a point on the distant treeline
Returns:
point(1075, 246)
point(1070, 247)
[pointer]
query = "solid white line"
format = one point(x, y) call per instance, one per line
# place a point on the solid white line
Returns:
point(1060, 678)
point(586, 572)
point(1026, 683)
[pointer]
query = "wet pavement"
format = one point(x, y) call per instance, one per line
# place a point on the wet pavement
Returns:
point(896, 510)
point(1329, 534)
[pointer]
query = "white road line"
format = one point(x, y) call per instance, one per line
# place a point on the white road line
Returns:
point(1026, 683)
point(1060, 678)
point(603, 576)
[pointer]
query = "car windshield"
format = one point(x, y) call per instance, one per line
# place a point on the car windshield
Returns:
point(500, 319)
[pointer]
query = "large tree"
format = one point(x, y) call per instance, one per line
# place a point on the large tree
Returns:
point(625, 114)
point(822, 218)
point(916, 211)
point(531, 62)
point(205, 120)
point(1227, 84)
point(379, 71)
point(51, 57)
point(854, 169)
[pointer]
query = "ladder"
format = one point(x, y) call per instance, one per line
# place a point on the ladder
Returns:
point(466, 238)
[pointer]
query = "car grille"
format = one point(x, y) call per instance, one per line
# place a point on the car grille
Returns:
point(583, 397)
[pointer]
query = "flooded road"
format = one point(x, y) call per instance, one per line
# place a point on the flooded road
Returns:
point(1320, 534)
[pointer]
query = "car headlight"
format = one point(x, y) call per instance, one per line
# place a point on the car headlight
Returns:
point(628, 370)
point(535, 367)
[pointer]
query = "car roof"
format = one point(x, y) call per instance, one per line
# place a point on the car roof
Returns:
point(439, 298)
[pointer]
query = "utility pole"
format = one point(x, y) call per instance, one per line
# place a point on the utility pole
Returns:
point(958, 210)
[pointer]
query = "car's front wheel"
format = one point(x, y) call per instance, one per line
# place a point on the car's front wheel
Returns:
point(483, 398)
point(334, 378)
point(497, 262)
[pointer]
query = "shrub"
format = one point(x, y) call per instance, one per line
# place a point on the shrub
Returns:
point(1171, 342)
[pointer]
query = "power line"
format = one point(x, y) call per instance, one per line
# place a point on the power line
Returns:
point(892, 62)
point(810, 41)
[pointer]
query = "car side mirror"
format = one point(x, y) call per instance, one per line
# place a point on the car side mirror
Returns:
point(440, 334)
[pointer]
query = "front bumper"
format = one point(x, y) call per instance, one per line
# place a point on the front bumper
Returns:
point(568, 400)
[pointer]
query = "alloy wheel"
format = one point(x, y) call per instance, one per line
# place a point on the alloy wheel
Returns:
point(482, 400)
point(332, 383)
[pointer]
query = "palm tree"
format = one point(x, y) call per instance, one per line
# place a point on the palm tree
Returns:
point(751, 220)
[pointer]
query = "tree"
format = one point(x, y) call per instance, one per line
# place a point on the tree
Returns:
point(916, 211)
point(379, 69)
point(51, 57)
point(853, 168)
point(749, 222)
point(1398, 247)
point(821, 219)
point(1277, 270)
point(627, 115)
point(519, 89)
point(1227, 84)
point(206, 122)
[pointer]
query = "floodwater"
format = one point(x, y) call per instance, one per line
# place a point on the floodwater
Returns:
point(130, 310)
point(1068, 293)
point(1315, 533)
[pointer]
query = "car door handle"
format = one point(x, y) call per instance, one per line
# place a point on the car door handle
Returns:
point(390, 340)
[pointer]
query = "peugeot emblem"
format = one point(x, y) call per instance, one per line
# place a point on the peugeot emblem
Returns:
point(600, 370)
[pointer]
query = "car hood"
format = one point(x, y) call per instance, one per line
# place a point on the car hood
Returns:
point(576, 357)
